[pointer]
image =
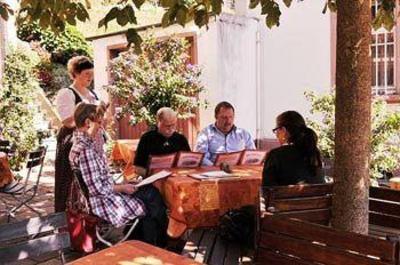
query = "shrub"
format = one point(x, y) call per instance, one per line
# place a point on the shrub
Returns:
point(385, 137)
point(17, 97)
point(159, 77)
point(62, 46)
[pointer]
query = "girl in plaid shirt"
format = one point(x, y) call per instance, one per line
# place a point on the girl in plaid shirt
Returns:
point(115, 203)
point(112, 202)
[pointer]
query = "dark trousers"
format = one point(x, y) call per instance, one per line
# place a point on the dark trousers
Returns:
point(152, 228)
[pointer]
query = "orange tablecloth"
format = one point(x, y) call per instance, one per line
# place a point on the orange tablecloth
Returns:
point(200, 203)
point(6, 175)
point(125, 150)
point(134, 252)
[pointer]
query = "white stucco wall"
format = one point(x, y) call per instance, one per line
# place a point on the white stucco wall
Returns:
point(227, 53)
point(295, 56)
point(290, 59)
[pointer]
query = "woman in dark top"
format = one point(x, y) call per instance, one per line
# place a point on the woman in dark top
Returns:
point(298, 160)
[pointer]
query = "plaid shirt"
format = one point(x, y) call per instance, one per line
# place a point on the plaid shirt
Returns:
point(116, 208)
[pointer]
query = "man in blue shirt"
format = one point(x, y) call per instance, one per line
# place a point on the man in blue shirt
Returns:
point(222, 136)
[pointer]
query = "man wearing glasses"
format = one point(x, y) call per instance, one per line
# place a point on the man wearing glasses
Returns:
point(223, 136)
point(160, 141)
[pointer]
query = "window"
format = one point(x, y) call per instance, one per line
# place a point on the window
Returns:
point(383, 60)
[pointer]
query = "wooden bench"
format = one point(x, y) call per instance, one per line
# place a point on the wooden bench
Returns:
point(306, 202)
point(384, 212)
point(204, 245)
point(34, 237)
point(287, 241)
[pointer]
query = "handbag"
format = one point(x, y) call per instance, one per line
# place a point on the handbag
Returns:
point(238, 225)
point(81, 224)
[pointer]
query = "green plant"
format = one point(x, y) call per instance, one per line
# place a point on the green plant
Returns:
point(17, 102)
point(385, 137)
point(61, 46)
point(159, 77)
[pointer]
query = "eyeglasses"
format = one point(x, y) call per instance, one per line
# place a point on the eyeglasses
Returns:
point(276, 129)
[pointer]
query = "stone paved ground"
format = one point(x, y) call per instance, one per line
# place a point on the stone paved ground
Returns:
point(43, 203)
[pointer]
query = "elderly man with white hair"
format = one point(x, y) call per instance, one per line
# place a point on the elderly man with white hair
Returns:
point(160, 141)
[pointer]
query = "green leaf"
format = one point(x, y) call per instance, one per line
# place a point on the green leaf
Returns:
point(45, 19)
point(133, 38)
point(3, 13)
point(122, 17)
point(216, 6)
point(253, 3)
point(287, 2)
point(201, 18)
point(71, 20)
point(181, 16)
point(138, 3)
point(166, 21)
point(82, 13)
point(168, 3)
point(111, 15)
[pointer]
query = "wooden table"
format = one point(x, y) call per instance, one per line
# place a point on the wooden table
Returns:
point(200, 203)
point(6, 175)
point(134, 253)
point(125, 149)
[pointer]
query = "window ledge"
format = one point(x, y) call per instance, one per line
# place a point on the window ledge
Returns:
point(390, 99)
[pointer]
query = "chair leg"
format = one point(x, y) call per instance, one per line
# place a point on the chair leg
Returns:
point(101, 239)
point(62, 257)
point(130, 230)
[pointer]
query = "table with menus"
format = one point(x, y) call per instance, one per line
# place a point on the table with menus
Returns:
point(194, 203)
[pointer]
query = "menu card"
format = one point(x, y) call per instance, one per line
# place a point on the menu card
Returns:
point(162, 161)
point(231, 159)
point(189, 159)
point(253, 157)
point(160, 175)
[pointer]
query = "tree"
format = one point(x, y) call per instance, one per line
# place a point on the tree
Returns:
point(353, 99)
point(384, 141)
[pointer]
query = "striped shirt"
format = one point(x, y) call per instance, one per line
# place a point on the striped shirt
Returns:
point(115, 208)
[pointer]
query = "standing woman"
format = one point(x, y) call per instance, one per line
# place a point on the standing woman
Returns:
point(298, 159)
point(80, 69)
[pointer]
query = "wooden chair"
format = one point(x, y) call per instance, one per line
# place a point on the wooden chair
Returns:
point(22, 191)
point(307, 202)
point(384, 212)
point(34, 237)
point(287, 241)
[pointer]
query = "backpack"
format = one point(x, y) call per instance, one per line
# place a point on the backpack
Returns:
point(239, 225)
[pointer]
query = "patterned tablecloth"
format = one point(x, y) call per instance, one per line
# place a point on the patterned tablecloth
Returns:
point(125, 150)
point(6, 175)
point(133, 253)
point(200, 203)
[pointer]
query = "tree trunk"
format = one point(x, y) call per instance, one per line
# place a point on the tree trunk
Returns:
point(353, 116)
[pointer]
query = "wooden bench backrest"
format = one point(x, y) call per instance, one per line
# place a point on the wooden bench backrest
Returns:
point(307, 202)
point(33, 237)
point(384, 207)
point(292, 241)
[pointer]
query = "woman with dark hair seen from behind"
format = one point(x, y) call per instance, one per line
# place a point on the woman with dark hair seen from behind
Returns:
point(298, 159)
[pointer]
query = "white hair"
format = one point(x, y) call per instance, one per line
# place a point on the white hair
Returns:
point(165, 113)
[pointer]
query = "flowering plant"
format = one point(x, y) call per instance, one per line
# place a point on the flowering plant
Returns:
point(158, 77)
